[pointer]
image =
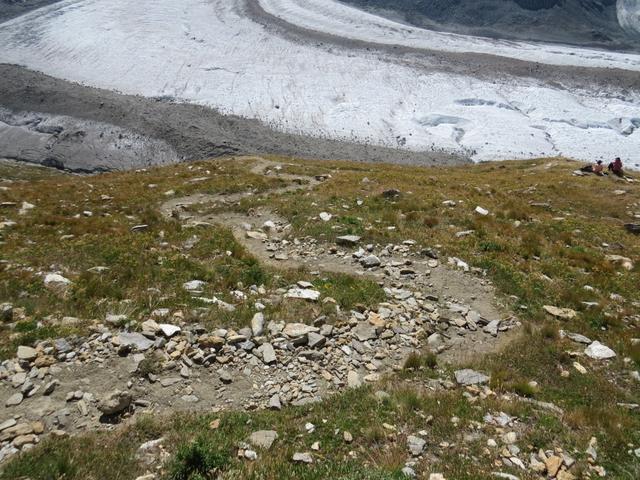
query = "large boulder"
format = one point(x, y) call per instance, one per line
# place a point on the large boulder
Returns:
point(115, 402)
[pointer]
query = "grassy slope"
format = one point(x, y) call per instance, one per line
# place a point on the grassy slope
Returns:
point(544, 260)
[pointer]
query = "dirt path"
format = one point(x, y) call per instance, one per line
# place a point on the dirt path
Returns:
point(398, 270)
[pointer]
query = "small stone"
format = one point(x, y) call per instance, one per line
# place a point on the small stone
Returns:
point(194, 285)
point(416, 445)
point(257, 324)
point(510, 438)
point(268, 354)
point(6, 312)
point(315, 340)
point(348, 240)
point(225, 376)
point(408, 472)
point(114, 403)
point(579, 368)
point(57, 283)
point(492, 328)
point(250, 455)
point(470, 377)
point(482, 211)
point(353, 379)
point(136, 340)
point(27, 353)
point(553, 464)
point(302, 458)
point(598, 351)
point(325, 217)
point(295, 330)
point(365, 331)
point(370, 262)
point(15, 399)
point(275, 403)
point(169, 330)
point(562, 313)
point(303, 294)
point(263, 438)
point(347, 436)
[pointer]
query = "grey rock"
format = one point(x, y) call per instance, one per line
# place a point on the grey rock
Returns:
point(598, 351)
point(492, 328)
point(294, 330)
point(302, 457)
point(257, 324)
point(275, 403)
point(416, 445)
point(136, 340)
point(115, 402)
point(370, 262)
point(170, 381)
point(470, 377)
point(315, 340)
point(353, 379)
point(15, 399)
point(62, 345)
point(268, 354)
point(348, 240)
point(27, 353)
point(409, 472)
point(225, 376)
point(576, 337)
point(169, 330)
point(365, 331)
point(263, 439)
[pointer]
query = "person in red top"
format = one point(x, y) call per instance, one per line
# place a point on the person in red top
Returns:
point(616, 167)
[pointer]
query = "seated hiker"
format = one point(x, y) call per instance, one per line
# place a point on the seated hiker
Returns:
point(596, 168)
point(616, 167)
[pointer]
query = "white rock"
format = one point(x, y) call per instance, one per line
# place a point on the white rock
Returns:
point(302, 458)
point(482, 211)
point(563, 313)
point(416, 445)
point(470, 377)
point(599, 351)
point(56, 282)
point(263, 438)
point(257, 324)
point(303, 294)
point(27, 353)
point(353, 379)
point(294, 330)
point(325, 217)
point(169, 330)
point(194, 285)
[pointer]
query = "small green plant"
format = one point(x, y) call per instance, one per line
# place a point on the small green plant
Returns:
point(418, 360)
point(150, 365)
point(198, 460)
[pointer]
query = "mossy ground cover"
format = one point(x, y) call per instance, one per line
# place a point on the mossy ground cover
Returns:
point(545, 239)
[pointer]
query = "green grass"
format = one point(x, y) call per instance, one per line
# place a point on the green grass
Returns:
point(531, 257)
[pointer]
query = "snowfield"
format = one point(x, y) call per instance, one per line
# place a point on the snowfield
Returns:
point(211, 52)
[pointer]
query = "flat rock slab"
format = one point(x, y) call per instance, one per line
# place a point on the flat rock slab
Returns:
point(263, 438)
point(562, 313)
point(470, 377)
point(598, 351)
point(136, 340)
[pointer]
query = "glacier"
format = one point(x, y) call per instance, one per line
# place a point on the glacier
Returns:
point(218, 54)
